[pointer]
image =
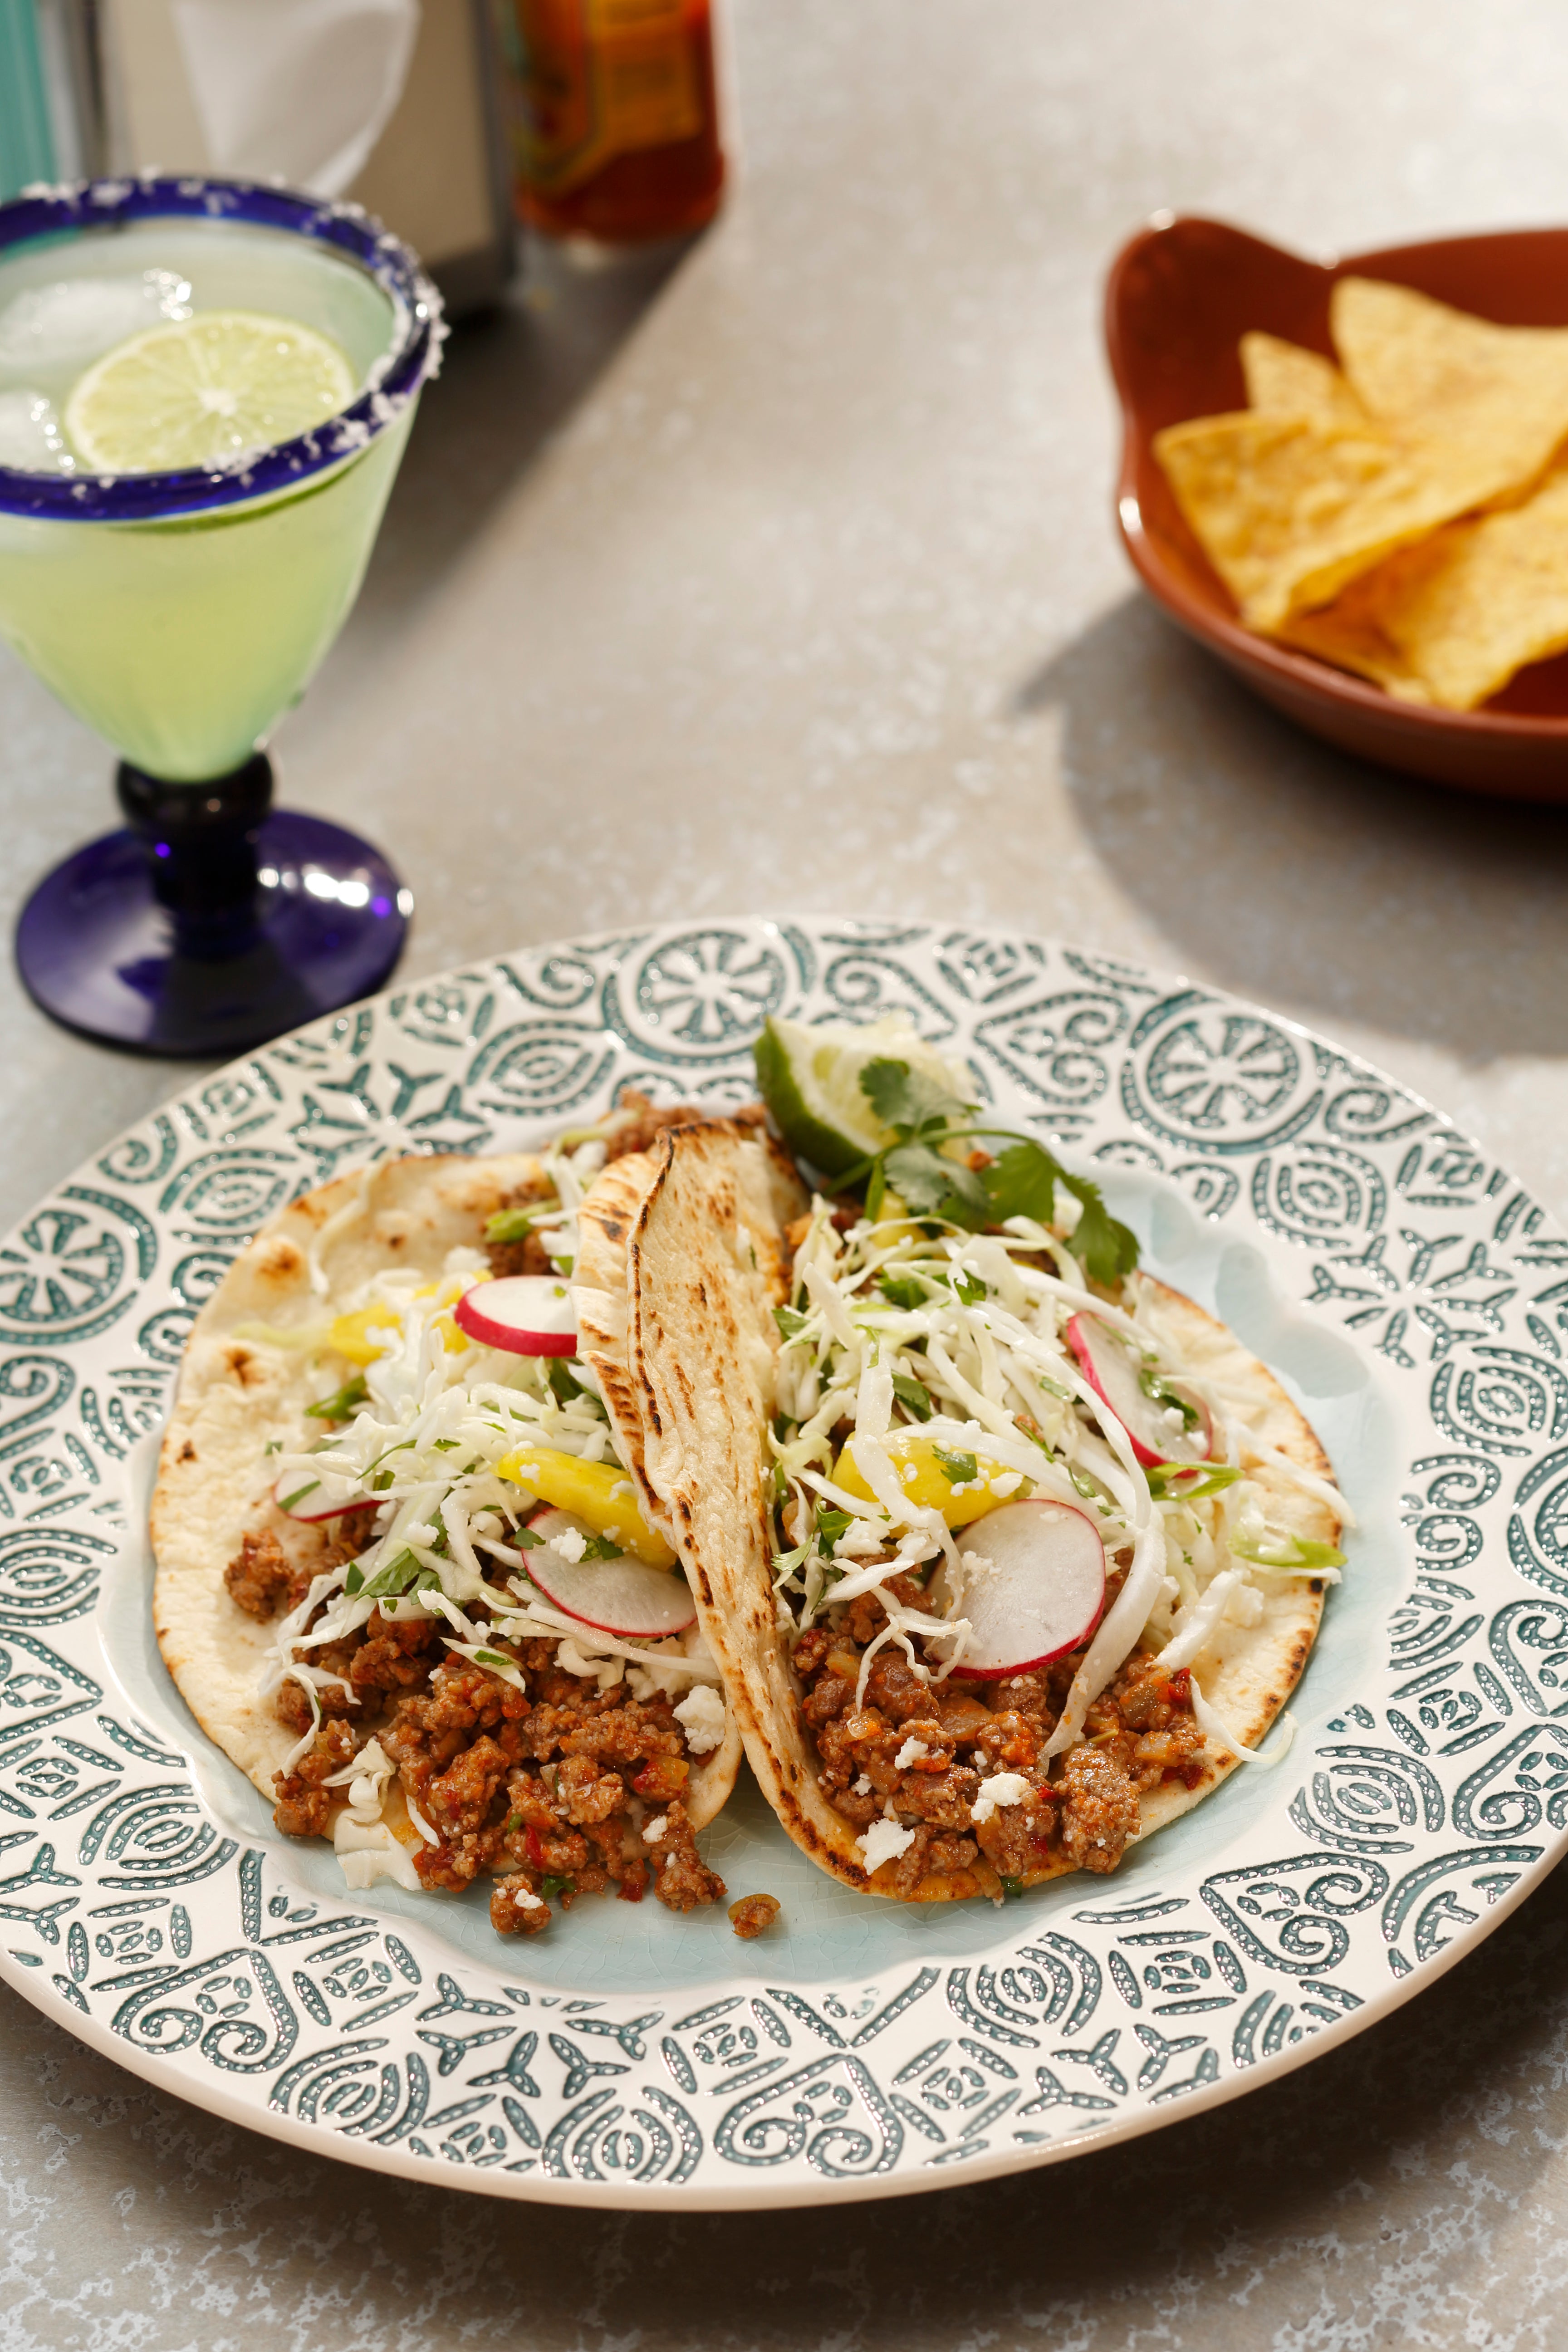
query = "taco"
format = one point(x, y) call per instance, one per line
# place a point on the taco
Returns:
point(403, 1576)
point(1010, 1554)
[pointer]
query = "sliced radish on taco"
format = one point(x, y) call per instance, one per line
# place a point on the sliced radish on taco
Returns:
point(314, 1498)
point(587, 1578)
point(524, 1313)
point(1033, 1589)
point(1165, 1420)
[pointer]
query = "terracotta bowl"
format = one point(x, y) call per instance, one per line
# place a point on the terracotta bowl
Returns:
point(1179, 297)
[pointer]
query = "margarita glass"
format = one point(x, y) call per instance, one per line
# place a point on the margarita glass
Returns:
point(181, 612)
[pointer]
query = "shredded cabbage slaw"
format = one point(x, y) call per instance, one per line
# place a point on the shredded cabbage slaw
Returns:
point(441, 1442)
point(946, 1352)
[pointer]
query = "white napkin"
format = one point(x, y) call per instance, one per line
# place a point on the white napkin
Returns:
point(295, 89)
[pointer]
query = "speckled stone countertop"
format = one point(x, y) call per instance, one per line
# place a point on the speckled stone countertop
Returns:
point(784, 577)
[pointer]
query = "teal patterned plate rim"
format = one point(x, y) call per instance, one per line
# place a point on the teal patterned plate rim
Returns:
point(1407, 1290)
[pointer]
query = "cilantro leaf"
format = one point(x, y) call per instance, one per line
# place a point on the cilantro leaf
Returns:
point(906, 1100)
point(601, 1548)
point(970, 1290)
point(904, 1290)
point(830, 1526)
point(958, 1469)
point(790, 1321)
point(1105, 1248)
point(1022, 1182)
point(931, 1185)
point(912, 1396)
point(401, 1575)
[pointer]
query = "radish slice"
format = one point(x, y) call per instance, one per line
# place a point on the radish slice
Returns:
point(1042, 1593)
point(615, 1596)
point(1111, 1370)
point(298, 1495)
point(526, 1314)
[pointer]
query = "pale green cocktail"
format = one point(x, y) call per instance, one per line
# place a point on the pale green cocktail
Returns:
point(182, 640)
point(205, 387)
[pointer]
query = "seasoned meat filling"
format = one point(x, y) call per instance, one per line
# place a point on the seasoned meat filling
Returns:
point(562, 1788)
point(754, 1915)
point(638, 1125)
point(265, 1580)
point(917, 1753)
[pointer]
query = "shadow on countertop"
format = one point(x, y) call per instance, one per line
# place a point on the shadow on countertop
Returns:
point(510, 378)
point(1403, 2174)
point(1289, 871)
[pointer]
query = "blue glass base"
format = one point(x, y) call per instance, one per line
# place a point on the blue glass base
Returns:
point(100, 948)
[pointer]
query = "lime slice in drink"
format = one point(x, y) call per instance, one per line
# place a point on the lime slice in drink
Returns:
point(810, 1080)
point(205, 391)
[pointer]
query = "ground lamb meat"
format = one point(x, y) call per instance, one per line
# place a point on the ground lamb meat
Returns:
point(1018, 1839)
point(546, 1786)
point(259, 1575)
point(527, 1256)
point(754, 1915)
point(919, 1750)
point(1145, 1720)
point(395, 1654)
point(304, 1804)
point(263, 1577)
point(1099, 1809)
point(517, 1910)
point(684, 1880)
point(639, 1122)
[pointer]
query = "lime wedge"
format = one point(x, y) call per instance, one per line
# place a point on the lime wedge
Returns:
point(810, 1080)
point(205, 391)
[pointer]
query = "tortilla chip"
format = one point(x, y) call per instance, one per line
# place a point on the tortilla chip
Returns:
point(1493, 401)
point(1285, 379)
point(1290, 508)
point(1451, 621)
point(1350, 634)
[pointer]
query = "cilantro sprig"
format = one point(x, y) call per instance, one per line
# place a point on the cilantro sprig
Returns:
point(1020, 1181)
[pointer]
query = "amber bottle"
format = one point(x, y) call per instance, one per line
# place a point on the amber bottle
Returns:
point(615, 115)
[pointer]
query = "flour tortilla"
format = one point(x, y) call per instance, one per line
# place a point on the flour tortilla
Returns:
point(692, 1341)
point(236, 1395)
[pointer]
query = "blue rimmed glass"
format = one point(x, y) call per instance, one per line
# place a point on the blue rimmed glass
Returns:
point(180, 614)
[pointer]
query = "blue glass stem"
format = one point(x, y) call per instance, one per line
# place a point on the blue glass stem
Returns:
point(213, 922)
point(200, 843)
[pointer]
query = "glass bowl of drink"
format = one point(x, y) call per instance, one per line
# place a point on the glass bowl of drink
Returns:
point(205, 389)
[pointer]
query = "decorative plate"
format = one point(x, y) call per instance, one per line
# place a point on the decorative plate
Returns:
point(1412, 1296)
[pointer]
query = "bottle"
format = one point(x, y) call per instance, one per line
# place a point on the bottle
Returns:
point(616, 116)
